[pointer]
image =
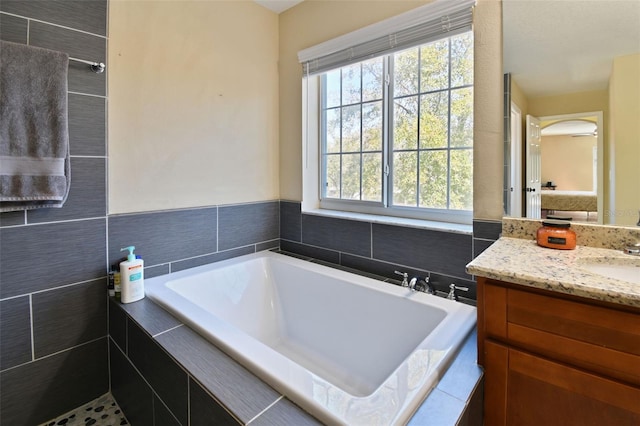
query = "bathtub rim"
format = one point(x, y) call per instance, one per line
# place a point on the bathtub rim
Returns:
point(452, 342)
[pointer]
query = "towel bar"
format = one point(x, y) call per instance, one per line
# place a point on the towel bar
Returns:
point(97, 67)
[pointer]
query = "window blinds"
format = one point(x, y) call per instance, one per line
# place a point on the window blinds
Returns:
point(436, 20)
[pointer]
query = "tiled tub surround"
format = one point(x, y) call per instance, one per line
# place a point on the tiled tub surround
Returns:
point(381, 249)
point(163, 373)
point(306, 327)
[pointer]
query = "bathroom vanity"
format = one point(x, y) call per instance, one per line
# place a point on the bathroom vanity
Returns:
point(560, 343)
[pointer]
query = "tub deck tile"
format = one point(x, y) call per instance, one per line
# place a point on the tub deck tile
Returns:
point(242, 393)
point(285, 412)
point(151, 317)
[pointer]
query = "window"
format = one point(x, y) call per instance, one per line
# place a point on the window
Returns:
point(396, 132)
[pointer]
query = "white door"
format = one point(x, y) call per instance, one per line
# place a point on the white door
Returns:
point(532, 189)
point(515, 184)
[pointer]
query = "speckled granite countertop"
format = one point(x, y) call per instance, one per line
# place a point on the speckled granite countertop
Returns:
point(522, 261)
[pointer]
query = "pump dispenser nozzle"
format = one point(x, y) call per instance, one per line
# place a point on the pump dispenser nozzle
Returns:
point(130, 257)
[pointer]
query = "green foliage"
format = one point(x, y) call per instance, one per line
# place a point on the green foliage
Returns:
point(431, 152)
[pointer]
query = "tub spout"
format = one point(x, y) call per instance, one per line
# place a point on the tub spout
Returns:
point(422, 284)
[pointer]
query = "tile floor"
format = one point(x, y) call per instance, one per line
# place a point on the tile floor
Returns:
point(101, 411)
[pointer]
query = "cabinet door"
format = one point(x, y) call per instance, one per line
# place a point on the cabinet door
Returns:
point(525, 390)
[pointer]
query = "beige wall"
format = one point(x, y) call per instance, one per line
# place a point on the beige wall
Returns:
point(624, 89)
point(306, 25)
point(193, 104)
point(488, 140)
point(570, 103)
point(568, 161)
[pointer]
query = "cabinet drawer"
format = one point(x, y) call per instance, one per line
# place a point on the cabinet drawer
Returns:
point(596, 338)
point(542, 392)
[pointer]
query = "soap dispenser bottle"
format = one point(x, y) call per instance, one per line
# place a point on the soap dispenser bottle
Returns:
point(132, 277)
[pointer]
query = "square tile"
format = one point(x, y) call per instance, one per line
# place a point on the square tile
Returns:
point(343, 235)
point(309, 251)
point(54, 385)
point(161, 414)
point(435, 251)
point(117, 325)
point(87, 194)
point(13, 29)
point(15, 332)
point(381, 269)
point(162, 237)
point(87, 125)
point(438, 409)
point(151, 317)
point(66, 253)
point(129, 389)
point(69, 316)
point(205, 410)
point(241, 392)
point(488, 230)
point(290, 221)
point(13, 218)
point(166, 378)
point(212, 258)
point(78, 45)
point(479, 246)
point(248, 224)
point(89, 16)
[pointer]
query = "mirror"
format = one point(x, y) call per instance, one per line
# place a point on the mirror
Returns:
point(567, 60)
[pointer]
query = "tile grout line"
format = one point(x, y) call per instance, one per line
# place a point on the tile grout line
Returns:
point(52, 24)
point(33, 343)
point(166, 331)
point(265, 409)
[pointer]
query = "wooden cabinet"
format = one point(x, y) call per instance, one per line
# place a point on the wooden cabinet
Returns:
point(553, 359)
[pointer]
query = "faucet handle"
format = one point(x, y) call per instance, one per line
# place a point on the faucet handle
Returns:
point(405, 278)
point(452, 291)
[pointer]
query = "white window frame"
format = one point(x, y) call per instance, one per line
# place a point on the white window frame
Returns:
point(311, 136)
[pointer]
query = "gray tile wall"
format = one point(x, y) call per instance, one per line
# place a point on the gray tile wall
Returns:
point(53, 309)
point(485, 233)
point(379, 249)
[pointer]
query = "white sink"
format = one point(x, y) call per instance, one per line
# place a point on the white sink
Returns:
point(624, 269)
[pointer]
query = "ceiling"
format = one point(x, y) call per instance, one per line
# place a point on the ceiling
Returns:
point(563, 46)
point(278, 6)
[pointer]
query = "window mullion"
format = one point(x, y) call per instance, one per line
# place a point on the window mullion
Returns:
point(387, 110)
point(361, 130)
point(449, 129)
point(419, 96)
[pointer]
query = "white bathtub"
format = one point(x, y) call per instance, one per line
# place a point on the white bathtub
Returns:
point(348, 349)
